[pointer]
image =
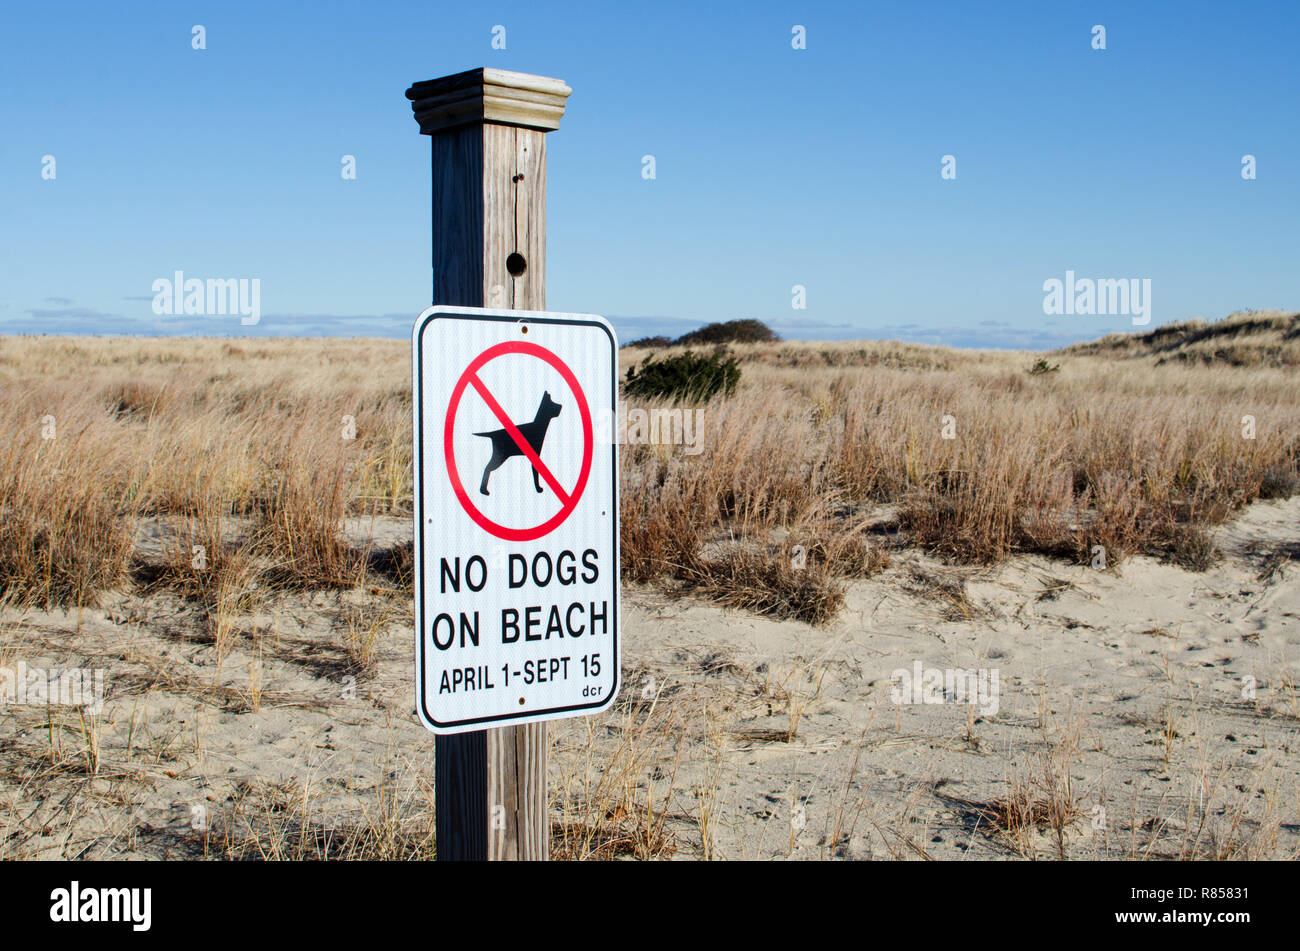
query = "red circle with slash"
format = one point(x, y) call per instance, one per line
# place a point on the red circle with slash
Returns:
point(568, 499)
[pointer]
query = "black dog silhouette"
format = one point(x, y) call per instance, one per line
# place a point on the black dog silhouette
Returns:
point(503, 447)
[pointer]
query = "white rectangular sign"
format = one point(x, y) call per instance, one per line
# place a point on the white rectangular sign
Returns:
point(516, 516)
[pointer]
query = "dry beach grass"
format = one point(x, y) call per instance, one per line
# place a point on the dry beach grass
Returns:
point(223, 526)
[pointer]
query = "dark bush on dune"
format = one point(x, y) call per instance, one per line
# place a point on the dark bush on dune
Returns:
point(688, 376)
point(731, 331)
point(647, 343)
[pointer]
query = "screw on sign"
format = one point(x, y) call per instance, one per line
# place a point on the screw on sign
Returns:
point(516, 548)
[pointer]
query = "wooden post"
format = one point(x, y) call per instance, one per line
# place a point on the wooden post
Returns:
point(489, 250)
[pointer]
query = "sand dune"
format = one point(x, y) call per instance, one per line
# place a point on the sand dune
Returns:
point(1123, 726)
point(951, 505)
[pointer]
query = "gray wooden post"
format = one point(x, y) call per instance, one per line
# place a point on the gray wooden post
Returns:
point(489, 250)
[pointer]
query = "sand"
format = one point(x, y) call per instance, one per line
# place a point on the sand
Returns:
point(1126, 723)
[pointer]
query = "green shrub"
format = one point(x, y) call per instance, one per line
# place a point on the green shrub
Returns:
point(689, 376)
point(731, 331)
point(648, 343)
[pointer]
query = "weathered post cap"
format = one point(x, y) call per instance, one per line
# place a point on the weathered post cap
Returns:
point(488, 95)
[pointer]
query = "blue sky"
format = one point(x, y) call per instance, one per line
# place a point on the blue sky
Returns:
point(775, 167)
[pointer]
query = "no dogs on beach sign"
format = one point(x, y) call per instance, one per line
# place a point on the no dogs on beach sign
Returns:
point(516, 517)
